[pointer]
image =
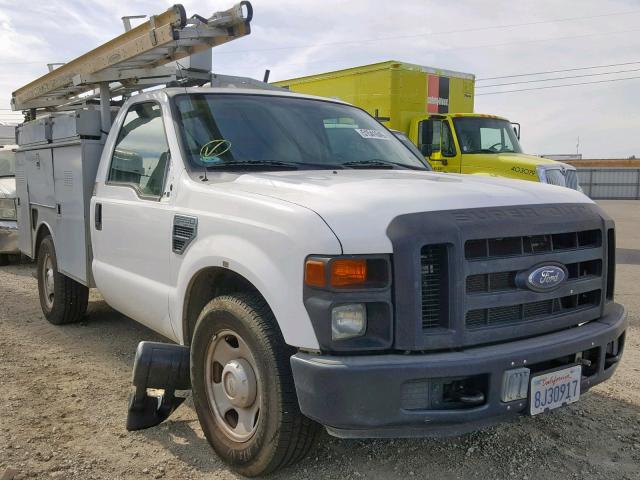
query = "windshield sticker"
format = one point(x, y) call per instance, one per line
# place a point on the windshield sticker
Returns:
point(211, 152)
point(370, 133)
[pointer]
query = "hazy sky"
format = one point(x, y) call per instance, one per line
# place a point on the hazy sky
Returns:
point(486, 38)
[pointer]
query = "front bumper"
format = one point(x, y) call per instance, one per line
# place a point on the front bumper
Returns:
point(375, 395)
point(9, 237)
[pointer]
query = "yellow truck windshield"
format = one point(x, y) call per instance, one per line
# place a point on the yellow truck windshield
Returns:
point(485, 135)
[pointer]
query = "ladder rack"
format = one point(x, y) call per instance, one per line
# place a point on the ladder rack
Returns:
point(136, 59)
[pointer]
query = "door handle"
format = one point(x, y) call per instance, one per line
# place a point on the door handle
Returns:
point(98, 216)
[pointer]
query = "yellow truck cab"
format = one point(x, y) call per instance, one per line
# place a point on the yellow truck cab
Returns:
point(434, 108)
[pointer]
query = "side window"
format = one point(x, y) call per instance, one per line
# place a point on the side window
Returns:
point(448, 147)
point(141, 153)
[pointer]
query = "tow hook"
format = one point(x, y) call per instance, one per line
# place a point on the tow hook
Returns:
point(470, 398)
point(161, 366)
point(466, 394)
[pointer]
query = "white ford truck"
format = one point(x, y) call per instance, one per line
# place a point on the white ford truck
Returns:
point(312, 271)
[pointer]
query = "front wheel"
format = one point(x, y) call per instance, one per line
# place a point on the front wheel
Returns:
point(62, 299)
point(243, 387)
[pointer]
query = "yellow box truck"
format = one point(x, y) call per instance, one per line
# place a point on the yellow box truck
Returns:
point(434, 109)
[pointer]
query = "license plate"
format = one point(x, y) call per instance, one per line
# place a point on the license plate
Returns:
point(555, 389)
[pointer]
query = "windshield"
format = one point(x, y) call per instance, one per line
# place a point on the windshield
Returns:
point(486, 135)
point(7, 163)
point(412, 148)
point(229, 131)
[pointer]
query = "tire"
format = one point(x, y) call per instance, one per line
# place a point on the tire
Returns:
point(4, 259)
point(281, 435)
point(62, 299)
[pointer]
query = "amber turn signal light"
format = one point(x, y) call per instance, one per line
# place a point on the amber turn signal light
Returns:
point(348, 272)
point(314, 273)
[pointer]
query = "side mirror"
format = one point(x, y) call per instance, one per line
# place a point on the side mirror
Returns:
point(426, 149)
point(516, 129)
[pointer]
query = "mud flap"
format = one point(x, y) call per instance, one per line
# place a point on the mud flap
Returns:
point(161, 366)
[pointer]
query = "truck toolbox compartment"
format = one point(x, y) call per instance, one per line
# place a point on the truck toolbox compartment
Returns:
point(56, 171)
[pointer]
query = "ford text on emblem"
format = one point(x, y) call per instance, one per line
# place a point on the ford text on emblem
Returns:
point(546, 277)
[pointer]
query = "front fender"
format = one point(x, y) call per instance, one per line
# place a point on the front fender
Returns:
point(272, 263)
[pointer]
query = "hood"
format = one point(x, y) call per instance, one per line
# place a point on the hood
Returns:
point(525, 160)
point(358, 205)
point(7, 187)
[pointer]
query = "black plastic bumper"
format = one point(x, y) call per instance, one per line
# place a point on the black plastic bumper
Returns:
point(366, 396)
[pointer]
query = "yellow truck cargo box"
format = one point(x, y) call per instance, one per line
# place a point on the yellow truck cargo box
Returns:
point(395, 92)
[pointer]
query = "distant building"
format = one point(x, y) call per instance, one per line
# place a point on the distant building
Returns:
point(563, 157)
point(631, 162)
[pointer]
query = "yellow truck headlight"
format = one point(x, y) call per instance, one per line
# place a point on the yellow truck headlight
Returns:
point(8, 209)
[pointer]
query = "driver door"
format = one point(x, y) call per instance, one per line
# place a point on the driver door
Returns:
point(132, 220)
point(437, 142)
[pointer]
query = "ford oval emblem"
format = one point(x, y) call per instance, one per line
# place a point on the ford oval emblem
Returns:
point(546, 277)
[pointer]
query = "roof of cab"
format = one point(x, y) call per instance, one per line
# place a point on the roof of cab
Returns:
point(477, 115)
point(174, 91)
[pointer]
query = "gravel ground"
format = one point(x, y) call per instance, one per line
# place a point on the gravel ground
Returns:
point(63, 397)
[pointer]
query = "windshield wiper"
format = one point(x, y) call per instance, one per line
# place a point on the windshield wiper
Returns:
point(274, 164)
point(486, 150)
point(252, 164)
point(378, 163)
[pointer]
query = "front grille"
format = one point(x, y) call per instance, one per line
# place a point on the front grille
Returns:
point(498, 296)
point(562, 177)
point(530, 245)
point(571, 177)
point(434, 267)
point(555, 177)
point(504, 281)
point(491, 282)
point(611, 262)
point(467, 282)
point(512, 314)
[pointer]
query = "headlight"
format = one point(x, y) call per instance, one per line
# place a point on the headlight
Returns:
point(8, 209)
point(348, 321)
point(349, 300)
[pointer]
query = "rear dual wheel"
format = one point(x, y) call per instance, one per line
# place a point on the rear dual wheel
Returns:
point(62, 299)
point(243, 387)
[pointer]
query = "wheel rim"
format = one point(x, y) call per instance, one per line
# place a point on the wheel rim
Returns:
point(233, 385)
point(48, 282)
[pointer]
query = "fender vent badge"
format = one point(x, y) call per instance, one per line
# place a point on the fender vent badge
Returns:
point(185, 229)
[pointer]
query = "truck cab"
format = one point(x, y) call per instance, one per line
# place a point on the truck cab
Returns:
point(479, 144)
